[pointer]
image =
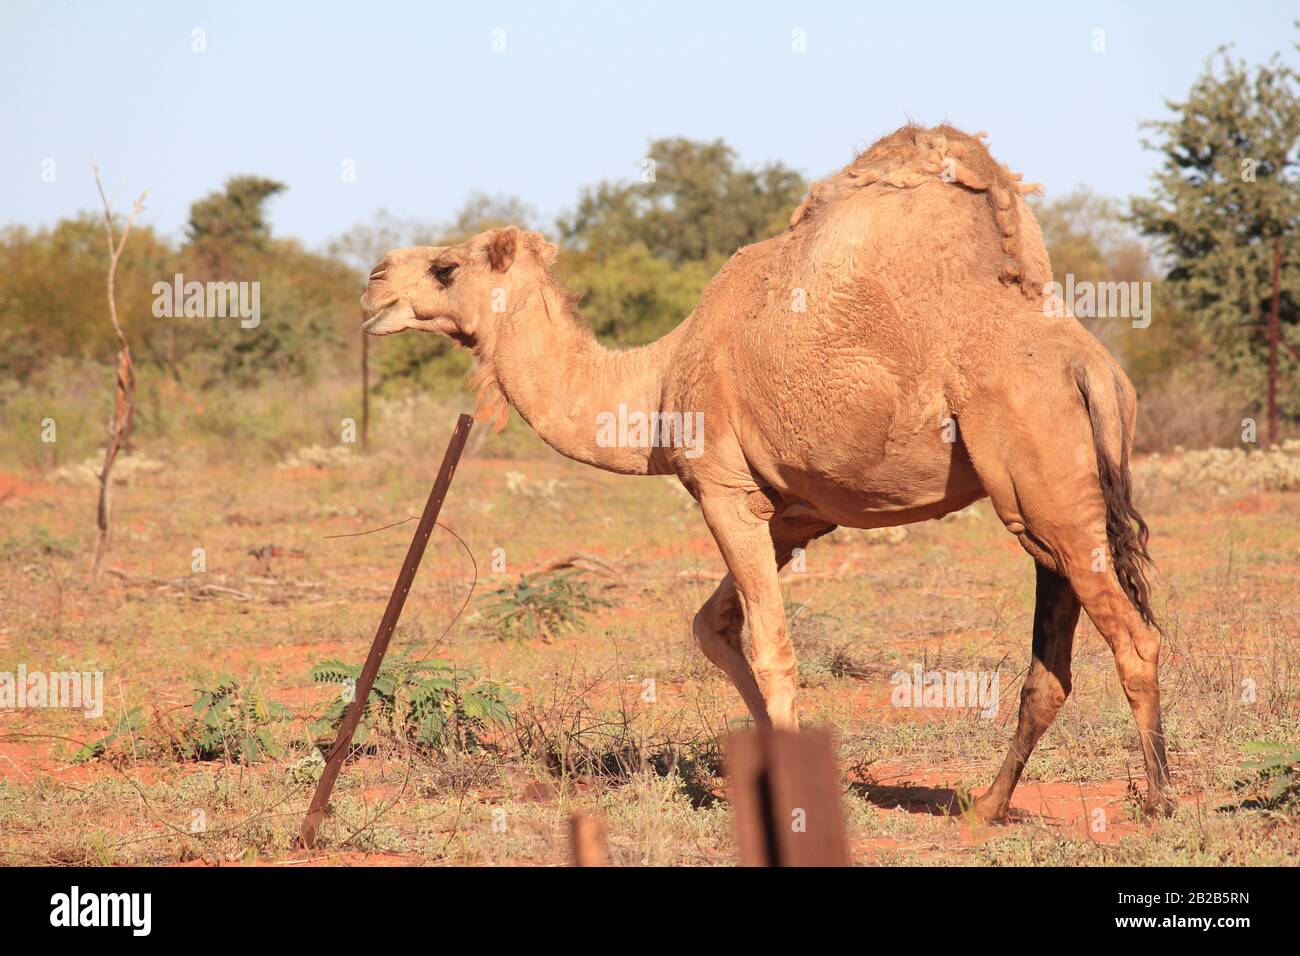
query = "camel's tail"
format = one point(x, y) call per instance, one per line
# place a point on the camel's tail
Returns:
point(1125, 529)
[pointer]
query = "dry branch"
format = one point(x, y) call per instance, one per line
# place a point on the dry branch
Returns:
point(125, 388)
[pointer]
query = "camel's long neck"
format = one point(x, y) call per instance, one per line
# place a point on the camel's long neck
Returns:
point(569, 388)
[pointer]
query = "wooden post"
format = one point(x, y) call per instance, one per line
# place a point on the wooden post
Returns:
point(784, 788)
point(587, 834)
point(334, 762)
point(365, 392)
point(1274, 336)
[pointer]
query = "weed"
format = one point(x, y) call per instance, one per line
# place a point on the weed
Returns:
point(231, 722)
point(429, 703)
point(127, 724)
point(1273, 781)
point(541, 605)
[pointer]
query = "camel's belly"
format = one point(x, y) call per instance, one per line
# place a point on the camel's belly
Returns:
point(904, 486)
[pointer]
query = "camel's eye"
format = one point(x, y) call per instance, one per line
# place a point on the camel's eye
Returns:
point(444, 272)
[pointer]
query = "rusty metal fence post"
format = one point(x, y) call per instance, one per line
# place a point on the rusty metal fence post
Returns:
point(396, 601)
point(784, 788)
point(587, 839)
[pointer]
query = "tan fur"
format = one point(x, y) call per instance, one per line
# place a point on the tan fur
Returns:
point(914, 155)
point(834, 365)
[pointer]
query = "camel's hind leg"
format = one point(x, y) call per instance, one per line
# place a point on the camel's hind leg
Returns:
point(1080, 556)
point(1136, 647)
point(1055, 467)
point(1056, 612)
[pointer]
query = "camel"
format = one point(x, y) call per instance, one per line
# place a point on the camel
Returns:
point(887, 359)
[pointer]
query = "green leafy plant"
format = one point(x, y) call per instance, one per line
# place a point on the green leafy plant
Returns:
point(431, 703)
point(127, 724)
point(231, 721)
point(1272, 782)
point(542, 605)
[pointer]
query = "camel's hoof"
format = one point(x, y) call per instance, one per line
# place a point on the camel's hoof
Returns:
point(988, 810)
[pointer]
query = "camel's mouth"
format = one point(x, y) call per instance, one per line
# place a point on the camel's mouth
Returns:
point(390, 318)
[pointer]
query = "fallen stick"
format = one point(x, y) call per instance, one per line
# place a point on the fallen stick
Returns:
point(338, 753)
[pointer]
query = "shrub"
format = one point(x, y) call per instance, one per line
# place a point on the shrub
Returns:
point(230, 721)
point(429, 703)
point(542, 605)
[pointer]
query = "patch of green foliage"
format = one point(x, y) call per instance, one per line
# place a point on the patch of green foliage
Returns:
point(543, 605)
point(431, 704)
point(126, 726)
point(1271, 782)
point(231, 721)
point(39, 543)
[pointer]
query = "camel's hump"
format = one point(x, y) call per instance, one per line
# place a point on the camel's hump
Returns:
point(913, 155)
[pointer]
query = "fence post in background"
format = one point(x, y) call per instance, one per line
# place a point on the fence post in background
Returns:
point(365, 392)
point(784, 789)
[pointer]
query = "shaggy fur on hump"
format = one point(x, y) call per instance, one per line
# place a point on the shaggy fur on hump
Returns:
point(914, 155)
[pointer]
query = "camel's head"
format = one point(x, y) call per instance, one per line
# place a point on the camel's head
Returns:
point(455, 290)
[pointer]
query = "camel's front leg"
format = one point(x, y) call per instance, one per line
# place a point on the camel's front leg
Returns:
point(746, 545)
point(717, 631)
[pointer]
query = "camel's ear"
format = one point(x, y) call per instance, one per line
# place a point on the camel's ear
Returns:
point(501, 248)
point(546, 251)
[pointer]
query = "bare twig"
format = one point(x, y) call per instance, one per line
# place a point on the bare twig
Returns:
point(125, 388)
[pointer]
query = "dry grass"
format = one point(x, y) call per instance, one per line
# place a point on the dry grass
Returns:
point(277, 597)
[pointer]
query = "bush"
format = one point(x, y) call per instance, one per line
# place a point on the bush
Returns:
point(541, 605)
point(428, 703)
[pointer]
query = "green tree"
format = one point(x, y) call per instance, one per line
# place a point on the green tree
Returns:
point(307, 307)
point(51, 294)
point(227, 226)
point(693, 202)
point(630, 296)
point(1224, 215)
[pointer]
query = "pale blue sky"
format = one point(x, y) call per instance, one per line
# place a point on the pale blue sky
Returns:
point(416, 96)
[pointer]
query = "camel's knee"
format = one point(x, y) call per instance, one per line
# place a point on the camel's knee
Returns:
point(780, 675)
point(1043, 695)
point(709, 636)
point(1046, 695)
point(1139, 686)
point(773, 649)
point(1147, 643)
point(716, 627)
point(1136, 652)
